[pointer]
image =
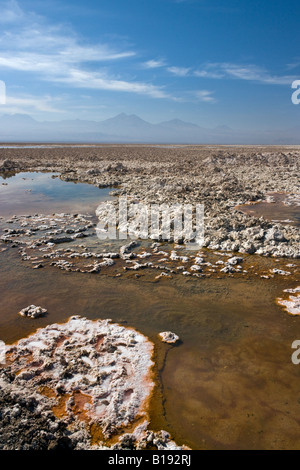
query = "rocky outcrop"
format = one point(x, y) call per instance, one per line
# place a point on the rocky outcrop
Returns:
point(9, 166)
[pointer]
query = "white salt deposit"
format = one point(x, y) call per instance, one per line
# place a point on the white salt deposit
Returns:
point(107, 365)
point(292, 304)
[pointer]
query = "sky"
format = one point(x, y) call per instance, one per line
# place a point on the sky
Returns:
point(209, 62)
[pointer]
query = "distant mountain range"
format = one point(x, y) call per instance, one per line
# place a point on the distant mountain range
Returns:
point(131, 128)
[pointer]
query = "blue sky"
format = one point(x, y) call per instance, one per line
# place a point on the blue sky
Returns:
point(210, 62)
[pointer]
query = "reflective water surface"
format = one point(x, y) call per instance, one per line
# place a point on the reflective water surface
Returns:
point(229, 384)
point(275, 211)
point(30, 192)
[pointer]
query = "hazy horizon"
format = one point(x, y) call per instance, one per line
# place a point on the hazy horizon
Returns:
point(124, 128)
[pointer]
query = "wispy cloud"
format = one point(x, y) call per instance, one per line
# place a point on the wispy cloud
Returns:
point(10, 12)
point(153, 64)
point(248, 72)
point(294, 65)
point(28, 103)
point(179, 71)
point(57, 55)
point(205, 96)
point(208, 73)
point(52, 42)
point(93, 80)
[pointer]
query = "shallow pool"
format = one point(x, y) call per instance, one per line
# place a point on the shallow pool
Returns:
point(31, 192)
point(229, 384)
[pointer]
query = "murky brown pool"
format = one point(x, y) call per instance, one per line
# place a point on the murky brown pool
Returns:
point(276, 211)
point(229, 384)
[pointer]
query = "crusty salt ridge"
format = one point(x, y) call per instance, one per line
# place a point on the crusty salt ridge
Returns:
point(100, 371)
point(292, 304)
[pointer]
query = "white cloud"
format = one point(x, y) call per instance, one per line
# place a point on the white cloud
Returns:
point(254, 73)
point(35, 42)
point(10, 12)
point(56, 55)
point(205, 95)
point(21, 104)
point(153, 64)
point(93, 80)
point(179, 71)
point(293, 65)
point(242, 72)
point(208, 74)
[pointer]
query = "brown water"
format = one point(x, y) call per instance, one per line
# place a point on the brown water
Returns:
point(275, 211)
point(229, 384)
